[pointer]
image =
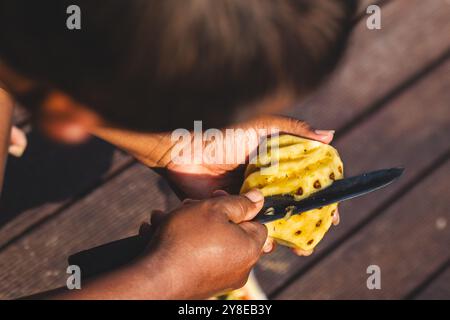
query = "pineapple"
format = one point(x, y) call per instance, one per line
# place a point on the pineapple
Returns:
point(304, 167)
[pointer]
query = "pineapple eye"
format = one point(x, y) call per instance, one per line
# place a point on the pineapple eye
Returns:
point(317, 184)
point(299, 191)
point(332, 176)
point(318, 223)
point(310, 242)
point(340, 169)
point(299, 232)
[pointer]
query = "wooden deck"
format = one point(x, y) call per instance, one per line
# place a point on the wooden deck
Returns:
point(390, 104)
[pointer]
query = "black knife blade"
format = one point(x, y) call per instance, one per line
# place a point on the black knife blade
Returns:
point(276, 207)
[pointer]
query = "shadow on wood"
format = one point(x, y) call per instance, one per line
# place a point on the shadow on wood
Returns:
point(50, 172)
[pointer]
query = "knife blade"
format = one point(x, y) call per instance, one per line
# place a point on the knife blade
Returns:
point(277, 207)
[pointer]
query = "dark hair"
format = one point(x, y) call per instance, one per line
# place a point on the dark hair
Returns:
point(160, 64)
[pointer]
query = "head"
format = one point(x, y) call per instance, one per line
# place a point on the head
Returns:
point(151, 65)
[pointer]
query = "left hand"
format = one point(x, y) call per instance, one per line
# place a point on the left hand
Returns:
point(199, 181)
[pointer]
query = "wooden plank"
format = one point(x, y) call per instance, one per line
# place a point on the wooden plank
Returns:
point(38, 261)
point(439, 288)
point(408, 242)
point(48, 177)
point(378, 61)
point(411, 131)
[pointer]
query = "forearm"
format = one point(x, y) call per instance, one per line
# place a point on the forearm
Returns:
point(152, 149)
point(125, 283)
point(6, 111)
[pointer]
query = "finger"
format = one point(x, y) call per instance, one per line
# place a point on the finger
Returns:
point(301, 252)
point(336, 217)
point(219, 193)
point(257, 232)
point(325, 136)
point(240, 208)
point(156, 217)
point(18, 142)
point(298, 128)
point(269, 245)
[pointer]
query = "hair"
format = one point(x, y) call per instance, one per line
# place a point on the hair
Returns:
point(156, 65)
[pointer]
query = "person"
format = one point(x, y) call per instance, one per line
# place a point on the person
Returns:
point(138, 69)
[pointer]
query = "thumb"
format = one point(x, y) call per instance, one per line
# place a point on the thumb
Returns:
point(240, 208)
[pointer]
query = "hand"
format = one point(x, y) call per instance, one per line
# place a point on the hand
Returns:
point(207, 246)
point(199, 181)
point(201, 249)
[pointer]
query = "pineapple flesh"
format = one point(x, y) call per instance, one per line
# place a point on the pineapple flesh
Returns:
point(303, 167)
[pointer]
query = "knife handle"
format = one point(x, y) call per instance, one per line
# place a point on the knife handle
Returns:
point(109, 255)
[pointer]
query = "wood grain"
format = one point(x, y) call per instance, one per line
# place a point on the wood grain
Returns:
point(407, 242)
point(412, 131)
point(439, 288)
point(50, 176)
point(379, 61)
point(38, 261)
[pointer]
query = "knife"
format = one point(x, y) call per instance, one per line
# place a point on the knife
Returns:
point(119, 252)
point(277, 207)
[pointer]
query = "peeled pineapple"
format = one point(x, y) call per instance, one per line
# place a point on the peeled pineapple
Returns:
point(304, 167)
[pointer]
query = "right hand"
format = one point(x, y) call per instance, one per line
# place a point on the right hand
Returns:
point(206, 247)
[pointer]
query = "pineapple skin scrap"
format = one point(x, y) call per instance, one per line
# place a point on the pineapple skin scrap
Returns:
point(304, 167)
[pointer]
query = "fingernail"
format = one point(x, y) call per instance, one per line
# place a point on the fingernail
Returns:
point(254, 195)
point(325, 132)
point(304, 253)
point(16, 150)
point(219, 193)
point(268, 246)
